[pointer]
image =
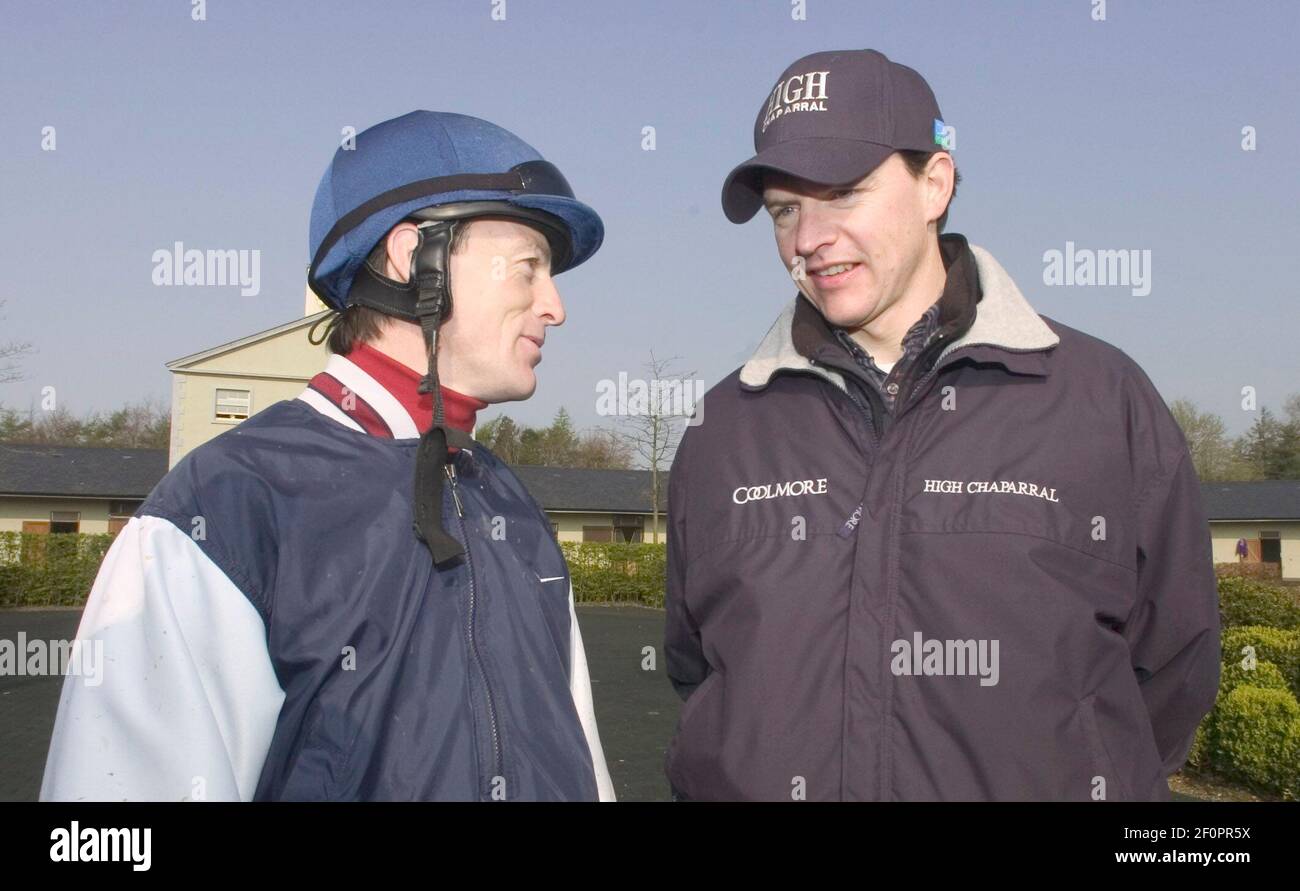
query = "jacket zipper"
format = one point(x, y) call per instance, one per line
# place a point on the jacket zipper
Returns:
point(911, 385)
point(473, 641)
point(919, 388)
point(877, 429)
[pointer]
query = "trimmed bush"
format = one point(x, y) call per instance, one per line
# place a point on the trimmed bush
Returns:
point(59, 569)
point(1245, 601)
point(1256, 738)
point(1265, 676)
point(1276, 645)
point(1248, 570)
point(49, 569)
point(607, 572)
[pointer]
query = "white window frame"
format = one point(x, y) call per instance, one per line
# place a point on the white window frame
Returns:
point(217, 401)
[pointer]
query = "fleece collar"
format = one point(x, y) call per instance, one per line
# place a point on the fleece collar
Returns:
point(1003, 320)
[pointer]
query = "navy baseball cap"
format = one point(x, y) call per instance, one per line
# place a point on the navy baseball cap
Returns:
point(831, 119)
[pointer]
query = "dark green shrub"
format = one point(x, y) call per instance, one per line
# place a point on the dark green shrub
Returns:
point(606, 572)
point(42, 569)
point(1255, 737)
point(1245, 601)
point(1276, 645)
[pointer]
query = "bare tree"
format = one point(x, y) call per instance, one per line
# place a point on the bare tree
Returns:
point(1292, 408)
point(653, 420)
point(603, 449)
point(142, 425)
point(9, 372)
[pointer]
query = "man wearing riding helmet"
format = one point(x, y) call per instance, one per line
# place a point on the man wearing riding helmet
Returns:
point(376, 608)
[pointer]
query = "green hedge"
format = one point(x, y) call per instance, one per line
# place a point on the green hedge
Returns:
point(1253, 732)
point(1256, 738)
point(1250, 602)
point(1249, 570)
point(1264, 675)
point(1280, 646)
point(605, 572)
point(43, 569)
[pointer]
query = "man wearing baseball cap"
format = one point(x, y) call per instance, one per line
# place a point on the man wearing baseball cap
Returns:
point(930, 545)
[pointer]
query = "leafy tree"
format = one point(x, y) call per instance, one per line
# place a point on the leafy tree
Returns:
point(558, 445)
point(1269, 450)
point(1208, 442)
point(1271, 447)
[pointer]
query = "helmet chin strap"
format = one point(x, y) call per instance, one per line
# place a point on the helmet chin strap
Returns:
point(431, 275)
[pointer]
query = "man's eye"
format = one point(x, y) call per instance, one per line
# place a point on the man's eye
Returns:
point(781, 211)
point(843, 193)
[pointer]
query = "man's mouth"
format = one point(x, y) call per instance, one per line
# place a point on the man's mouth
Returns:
point(833, 274)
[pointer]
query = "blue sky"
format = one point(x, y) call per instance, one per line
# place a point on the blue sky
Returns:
point(1120, 134)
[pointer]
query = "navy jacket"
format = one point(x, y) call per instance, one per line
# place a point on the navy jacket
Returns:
point(1002, 590)
point(274, 630)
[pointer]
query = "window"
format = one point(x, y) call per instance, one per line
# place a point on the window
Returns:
point(628, 527)
point(123, 508)
point(555, 530)
point(1270, 547)
point(597, 533)
point(65, 520)
point(233, 405)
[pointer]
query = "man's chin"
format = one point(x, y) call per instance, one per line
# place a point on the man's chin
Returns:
point(847, 316)
point(514, 391)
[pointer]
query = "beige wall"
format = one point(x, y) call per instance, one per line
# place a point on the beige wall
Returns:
point(194, 397)
point(13, 511)
point(272, 369)
point(571, 524)
point(1224, 537)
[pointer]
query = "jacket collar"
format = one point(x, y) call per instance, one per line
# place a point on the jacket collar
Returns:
point(1004, 321)
point(368, 392)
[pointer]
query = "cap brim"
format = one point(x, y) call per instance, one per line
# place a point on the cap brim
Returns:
point(822, 160)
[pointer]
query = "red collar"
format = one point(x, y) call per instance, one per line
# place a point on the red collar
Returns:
point(403, 382)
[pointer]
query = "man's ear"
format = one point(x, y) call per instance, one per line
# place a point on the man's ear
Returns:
point(938, 184)
point(401, 242)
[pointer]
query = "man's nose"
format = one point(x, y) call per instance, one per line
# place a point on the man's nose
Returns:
point(547, 302)
point(813, 230)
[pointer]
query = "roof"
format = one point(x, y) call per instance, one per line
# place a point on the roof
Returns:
point(80, 471)
point(1261, 500)
point(101, 472)
point(584, 489)
point(233, 345)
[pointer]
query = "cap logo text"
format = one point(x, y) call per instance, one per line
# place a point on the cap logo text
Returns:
point(798, 92)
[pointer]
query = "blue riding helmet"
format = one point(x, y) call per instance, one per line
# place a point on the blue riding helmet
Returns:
point(434, 159)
